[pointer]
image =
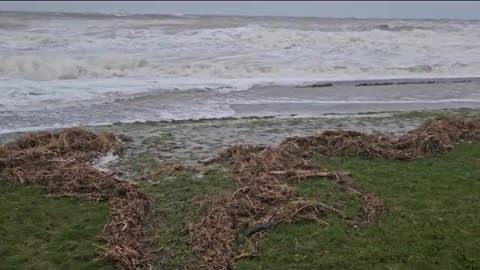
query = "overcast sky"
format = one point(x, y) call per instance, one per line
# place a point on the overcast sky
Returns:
point(371, 9)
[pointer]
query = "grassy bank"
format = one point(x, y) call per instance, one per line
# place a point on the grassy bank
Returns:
point(432, 220)
point(41, 232)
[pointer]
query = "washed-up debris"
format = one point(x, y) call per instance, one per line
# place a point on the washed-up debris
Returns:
point(59, 163)
point(264, 197)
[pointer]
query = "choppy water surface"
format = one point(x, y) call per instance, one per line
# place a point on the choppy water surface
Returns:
point(67, 69)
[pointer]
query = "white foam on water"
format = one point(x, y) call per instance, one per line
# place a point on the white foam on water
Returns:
point(27, 95)
point(372, 101)
point(104, 163)
point(90, 48)
point(58, 61)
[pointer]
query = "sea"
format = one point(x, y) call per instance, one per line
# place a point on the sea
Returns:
point(65, 69)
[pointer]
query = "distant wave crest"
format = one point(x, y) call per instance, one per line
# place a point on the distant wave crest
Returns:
point(64, 67)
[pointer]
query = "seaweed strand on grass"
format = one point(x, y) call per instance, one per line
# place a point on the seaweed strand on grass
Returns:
point(264, 197)
point(58, 162)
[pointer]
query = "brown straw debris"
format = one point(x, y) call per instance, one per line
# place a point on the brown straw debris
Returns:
point(58, 163)
point(435, 135)
point(264, 198)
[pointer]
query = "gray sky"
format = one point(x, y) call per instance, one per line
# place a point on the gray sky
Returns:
point(417, 9)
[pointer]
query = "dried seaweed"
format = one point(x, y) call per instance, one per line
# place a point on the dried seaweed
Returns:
point(58, 162)
point(264, 197)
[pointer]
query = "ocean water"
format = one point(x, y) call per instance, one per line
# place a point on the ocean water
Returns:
point(61, 70)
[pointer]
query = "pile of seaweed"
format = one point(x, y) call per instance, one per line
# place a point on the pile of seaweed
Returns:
point(433, 136)
point(264, 198)
point(59, 162)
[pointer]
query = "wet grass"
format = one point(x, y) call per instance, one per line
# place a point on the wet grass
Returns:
point(177, 202)
point(41, 232)
point(437, 113)
point(433, 219)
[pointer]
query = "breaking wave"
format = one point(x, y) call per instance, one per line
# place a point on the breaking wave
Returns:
point(197, 65)
point(90, 47)
point(35, 67)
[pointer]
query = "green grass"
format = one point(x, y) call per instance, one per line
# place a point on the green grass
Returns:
point(432, 219)
point(41, 232)
point(174, 208)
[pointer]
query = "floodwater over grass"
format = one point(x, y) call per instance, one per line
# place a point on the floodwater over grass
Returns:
point(431, 221)
point(191, 141)
point(181, 89)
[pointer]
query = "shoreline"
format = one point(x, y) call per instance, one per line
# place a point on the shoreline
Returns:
point(178, 193)
point(347, 98)
point(332, 115)
point(136, 141)
point(189, 142)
